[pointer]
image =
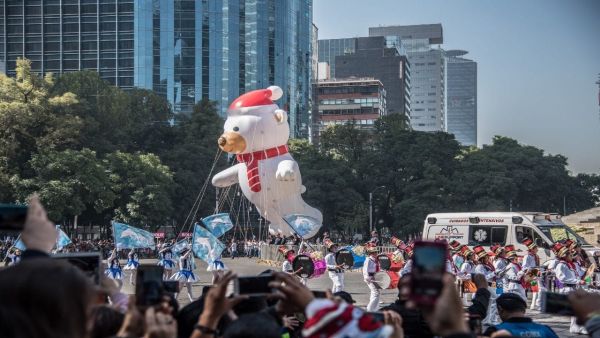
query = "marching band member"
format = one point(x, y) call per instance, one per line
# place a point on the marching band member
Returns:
point(500, 261)
point(133, 262)
point(186, 275)
point(398, 254)
point(114, 268)
point(14, 256)
point(457, 258)
point(165, 256)
point(466, 268)
point(370, 267)
point(288, 255)
point(566, 275)
point(531, 261)
point(514, 273)
point(335, 271)
point(485, 267)
point(217, 267)
point(407, 268)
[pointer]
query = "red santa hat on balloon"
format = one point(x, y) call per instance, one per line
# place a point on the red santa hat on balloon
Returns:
point(256, 101)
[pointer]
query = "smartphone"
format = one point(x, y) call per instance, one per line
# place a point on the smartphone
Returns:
point(556, 303)
point(319, 294)
point(149, 285)
point(12, 217)
point(253, 285)
point(171, 286)
point(429, 265)
point(88, 262)
point(378, 316)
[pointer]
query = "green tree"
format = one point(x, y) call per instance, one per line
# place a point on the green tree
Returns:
point(143, 186)
point(69, 183)
point(32, 119)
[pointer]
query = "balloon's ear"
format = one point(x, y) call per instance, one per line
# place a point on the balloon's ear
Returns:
point(280, 116)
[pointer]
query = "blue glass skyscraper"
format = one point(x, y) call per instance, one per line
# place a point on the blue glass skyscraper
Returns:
point(185, 50)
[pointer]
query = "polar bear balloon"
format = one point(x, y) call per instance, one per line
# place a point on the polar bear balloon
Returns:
point(256, 130)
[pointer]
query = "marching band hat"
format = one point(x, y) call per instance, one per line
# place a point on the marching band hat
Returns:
point(454, 245)
point(465, 251)
point(529, 243)
point(510, 251)
point(560, 250)
point(285, 251)
point(398, 243)
point(479, 251)
point(497, 249)
point(370, 248)
point(328, 243)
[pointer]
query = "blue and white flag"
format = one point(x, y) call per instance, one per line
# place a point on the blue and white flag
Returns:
point(218, 224)
point(178, 247)
point(62, 240)
point(303, 225)
point(19, 244)
point(205, 245)
point(128, 237)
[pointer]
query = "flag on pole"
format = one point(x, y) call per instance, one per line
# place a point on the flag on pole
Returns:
point(179, 246)
point(128, 237)
point(205, 245)
point(19, 244)
point(62, 240)
point(218, 224)
point(303, 225)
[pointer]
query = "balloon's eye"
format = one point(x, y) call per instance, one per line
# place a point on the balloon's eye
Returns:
point(236, 129)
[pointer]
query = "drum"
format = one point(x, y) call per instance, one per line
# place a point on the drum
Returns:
point(320, 268)
point(397, 262)
point(385, 261)
point(383, 280)
point(394, 279)
point(344, 258)
point(358, 255)
point(304, 265)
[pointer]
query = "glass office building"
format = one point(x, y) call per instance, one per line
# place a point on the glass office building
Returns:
point(185, 50)
point(330, 48)
point(461, 97)
point(427, 70)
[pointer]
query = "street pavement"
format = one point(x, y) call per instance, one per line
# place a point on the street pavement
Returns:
point(354, 284)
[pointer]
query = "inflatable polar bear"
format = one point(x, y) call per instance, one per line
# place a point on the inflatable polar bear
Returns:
point(256, 130)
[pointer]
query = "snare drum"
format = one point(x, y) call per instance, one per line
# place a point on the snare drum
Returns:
point(304, 266)
point(385, 262)
point(344, 258)
point(383, 279)
point(394, 279)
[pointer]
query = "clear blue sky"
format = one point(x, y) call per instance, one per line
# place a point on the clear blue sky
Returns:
point(538, 61)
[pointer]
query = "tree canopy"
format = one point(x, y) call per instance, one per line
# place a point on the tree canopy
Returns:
point(96, 152)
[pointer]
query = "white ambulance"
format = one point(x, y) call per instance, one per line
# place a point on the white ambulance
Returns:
point(489, 228)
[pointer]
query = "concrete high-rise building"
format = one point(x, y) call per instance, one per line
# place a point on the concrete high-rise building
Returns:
point(371, 58)
point(428, 107)
point(185, 50)
point(361, 100)
point(461, 97)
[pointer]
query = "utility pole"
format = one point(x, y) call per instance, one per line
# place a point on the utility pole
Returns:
point(564, 205)
point(510, 206)
point(370, 212)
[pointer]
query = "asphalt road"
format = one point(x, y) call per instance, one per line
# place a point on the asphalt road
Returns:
point(354, 284)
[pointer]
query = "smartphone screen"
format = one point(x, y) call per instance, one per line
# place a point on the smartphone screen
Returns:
point(429, 265)
point(12, 217)
point(254, 285)
point(88, 262)
point(556, 303)
point(148, 286)
point(319, 294)
point(378, 316)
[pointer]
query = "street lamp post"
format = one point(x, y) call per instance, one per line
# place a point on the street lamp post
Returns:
point(371, 208)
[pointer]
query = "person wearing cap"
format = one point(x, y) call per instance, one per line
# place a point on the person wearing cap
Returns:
point(511, 309)
point(288, 255)
point(335, 271)
point(565, 273)
point(400, 247)
point(407, 268)
point(457, 258)
point(370, 268)
point(374, 238)
point(485, 268)
point(531, 261)
point(500, 262)
point(468, 264)
point(514, 273)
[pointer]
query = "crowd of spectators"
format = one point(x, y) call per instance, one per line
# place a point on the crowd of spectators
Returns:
point(42, 297)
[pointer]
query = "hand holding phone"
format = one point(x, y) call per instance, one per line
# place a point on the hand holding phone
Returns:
point(253, 285)
point(88, 262)
point(149, 285)
point(12, 217)
point(429, 265)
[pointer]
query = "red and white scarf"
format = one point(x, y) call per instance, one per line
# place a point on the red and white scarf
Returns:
point(251, 161)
